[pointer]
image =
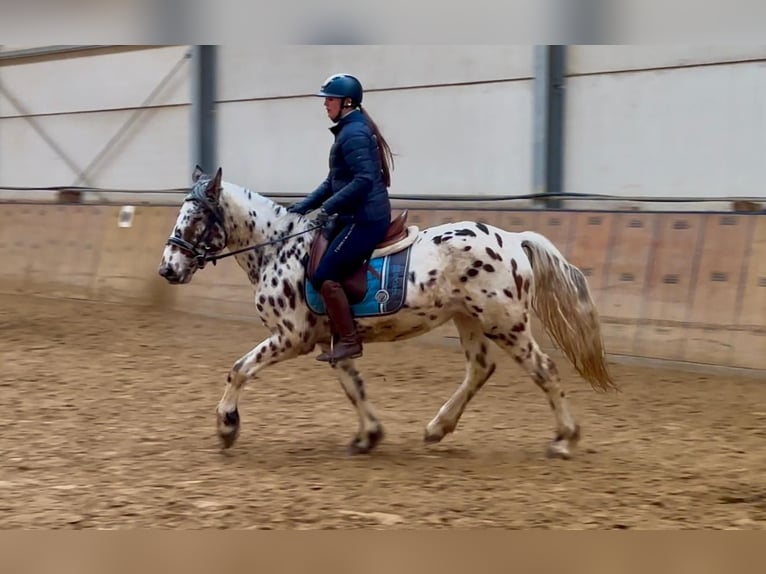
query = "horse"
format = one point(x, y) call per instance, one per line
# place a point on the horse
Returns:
point(484, 279)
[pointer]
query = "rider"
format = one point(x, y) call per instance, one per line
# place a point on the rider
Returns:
point(355, 191)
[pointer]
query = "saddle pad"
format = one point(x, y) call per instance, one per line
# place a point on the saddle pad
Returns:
point(384, 296)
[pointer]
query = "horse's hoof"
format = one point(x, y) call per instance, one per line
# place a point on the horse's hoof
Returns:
point(228, 428)
point(359, 446)
point(432, 438)
point(558, 450)
point(228, 439)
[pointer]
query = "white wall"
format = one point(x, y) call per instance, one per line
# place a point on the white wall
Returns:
point(459, 118)
point(450, 139)
point(636, 125)
point(81, 103)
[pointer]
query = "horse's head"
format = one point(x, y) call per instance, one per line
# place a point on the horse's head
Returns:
point(199, 230)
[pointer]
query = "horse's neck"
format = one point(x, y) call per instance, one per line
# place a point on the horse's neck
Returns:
point(254, 220)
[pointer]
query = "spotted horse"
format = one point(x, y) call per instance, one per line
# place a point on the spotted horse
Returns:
point(486, 280)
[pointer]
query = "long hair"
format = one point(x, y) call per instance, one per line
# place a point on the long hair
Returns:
point(384, 151)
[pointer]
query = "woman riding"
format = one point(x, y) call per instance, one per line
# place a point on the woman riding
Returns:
point(356, 192)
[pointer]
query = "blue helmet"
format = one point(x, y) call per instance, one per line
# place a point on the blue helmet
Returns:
point(342, 86)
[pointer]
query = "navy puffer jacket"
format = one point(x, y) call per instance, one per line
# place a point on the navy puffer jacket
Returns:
point(354, 188)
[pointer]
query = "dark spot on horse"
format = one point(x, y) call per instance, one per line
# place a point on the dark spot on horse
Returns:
point(437, 240)
point(259, 307)
point(499, 239)
point(274, 282)
point(422, 288)
point(289, 325)
point(494, 254)
point(412, 277)
point(518, 327)
point(433, 317)
point(480, 358)
point(516, 277)
point(483, 228)
point(478, 263)
point(508, 293)
point(262, 299)
point(467, 232)
point(311, 318)
point(463, 278)
point(472, 272)
point(467, 248)
point(272, 303)
point(488, 268)
point(433, 272)
point(526, 285)
point(359, 386)
point(281, 302)
point(289, 293)
point(478, 309)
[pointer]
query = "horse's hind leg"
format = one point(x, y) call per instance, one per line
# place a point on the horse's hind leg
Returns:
point(479, 368)
point(520, 344)
point(370, 431)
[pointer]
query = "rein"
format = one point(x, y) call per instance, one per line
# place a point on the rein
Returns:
point(201, 252)
point(214, 258)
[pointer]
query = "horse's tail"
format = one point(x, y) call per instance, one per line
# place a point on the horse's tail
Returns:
point(562, 301)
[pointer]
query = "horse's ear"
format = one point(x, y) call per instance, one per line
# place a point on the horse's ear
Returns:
point(197, 173)
point(214, 187)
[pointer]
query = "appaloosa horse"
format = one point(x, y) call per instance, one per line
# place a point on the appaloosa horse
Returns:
point(484, 279)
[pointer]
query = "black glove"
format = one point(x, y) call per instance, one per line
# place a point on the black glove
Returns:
point(296, 208)
point(322, 218)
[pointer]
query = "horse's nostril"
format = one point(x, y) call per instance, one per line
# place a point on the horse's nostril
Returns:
point(166, 271)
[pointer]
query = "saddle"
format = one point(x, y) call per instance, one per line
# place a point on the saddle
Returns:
point(355, 283)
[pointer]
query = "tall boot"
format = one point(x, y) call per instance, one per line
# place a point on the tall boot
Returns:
point(349, 344)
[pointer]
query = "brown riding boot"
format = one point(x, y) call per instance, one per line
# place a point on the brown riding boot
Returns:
point(349, 345)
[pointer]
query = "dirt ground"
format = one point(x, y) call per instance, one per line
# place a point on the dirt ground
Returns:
point(107, 421)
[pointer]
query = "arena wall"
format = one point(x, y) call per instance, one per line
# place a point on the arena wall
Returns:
point(680, 286)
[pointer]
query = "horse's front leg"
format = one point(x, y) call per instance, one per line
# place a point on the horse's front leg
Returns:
point(272, 350)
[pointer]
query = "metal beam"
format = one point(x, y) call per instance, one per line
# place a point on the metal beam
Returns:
point(548, 122)
point(203, 98)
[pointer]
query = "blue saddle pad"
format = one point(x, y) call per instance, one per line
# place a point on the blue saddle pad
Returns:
point(385, 295)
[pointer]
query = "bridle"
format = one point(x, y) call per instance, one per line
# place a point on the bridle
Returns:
point(201, 251)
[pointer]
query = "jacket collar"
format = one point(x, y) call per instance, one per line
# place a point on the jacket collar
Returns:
point(353, 116)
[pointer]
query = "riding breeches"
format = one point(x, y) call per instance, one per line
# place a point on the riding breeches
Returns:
point(351, 245)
